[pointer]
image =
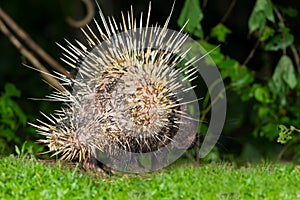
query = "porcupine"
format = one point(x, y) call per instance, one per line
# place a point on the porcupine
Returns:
point(127, 94)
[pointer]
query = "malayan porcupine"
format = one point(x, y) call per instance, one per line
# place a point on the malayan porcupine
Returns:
point(131, 95)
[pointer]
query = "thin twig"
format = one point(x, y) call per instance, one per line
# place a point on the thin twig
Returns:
point(251, 53)
point(296, 57)
point(89, 16)
point(283, 32)
point(30, 57)
point(228, 12)
point(225, 16)
point(294, 50)
point(24, 36)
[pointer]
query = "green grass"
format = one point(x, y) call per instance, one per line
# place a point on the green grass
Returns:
point(30, 179)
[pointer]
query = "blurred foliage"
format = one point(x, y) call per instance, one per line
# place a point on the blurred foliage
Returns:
point(273, 98)
point(192, 14)
point(257, 60)
point(11, 118)
point(12, 122)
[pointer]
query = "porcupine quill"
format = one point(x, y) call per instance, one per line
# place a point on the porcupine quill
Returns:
point(125, 94)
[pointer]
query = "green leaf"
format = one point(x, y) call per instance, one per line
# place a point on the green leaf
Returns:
point(289, 75)
point(256, 21)
point(9, 135)
point(243, 77)
point(249, 92)
point(270, 130)
point(268, 10)
point(229, 68)
point(263, 111)
point(263, 10)
point(289, 11)
point(261, 94)
point(280, 41)
point(231, 65)
point(192, 13)
point(11, 90)
point(220, 32)
point(18, 112)
point(266, 34)
point(216, 55)
point(240, 76)
point(17, 150)
point(244, 81)
point(284, 76)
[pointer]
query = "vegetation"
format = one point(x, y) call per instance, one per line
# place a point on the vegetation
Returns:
point(11, 118)
point(23, 178)
point(13, 124)
point(271, 90)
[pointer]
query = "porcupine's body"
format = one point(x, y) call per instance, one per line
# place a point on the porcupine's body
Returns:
point(126, 95)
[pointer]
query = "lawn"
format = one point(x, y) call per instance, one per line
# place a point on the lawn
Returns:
point(28, 178)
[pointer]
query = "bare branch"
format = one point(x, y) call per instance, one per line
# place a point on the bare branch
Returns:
point(30, 57)
point(228, 11)
point(296, 57)
point(251, 53)
point(283, 32)
point(36, 48)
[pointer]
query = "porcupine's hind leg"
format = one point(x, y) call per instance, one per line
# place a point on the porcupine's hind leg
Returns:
point(92, 164)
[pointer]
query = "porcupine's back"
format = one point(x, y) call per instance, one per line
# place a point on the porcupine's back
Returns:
point(129, 92)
